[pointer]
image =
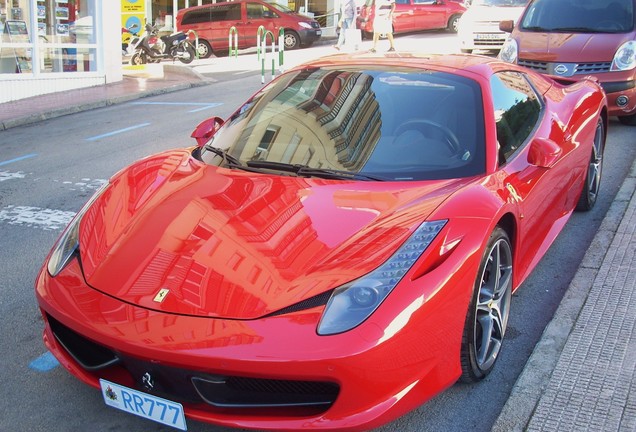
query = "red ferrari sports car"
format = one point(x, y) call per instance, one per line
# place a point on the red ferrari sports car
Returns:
point(334, 254)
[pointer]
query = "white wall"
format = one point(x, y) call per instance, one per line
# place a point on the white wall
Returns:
point(108, 32)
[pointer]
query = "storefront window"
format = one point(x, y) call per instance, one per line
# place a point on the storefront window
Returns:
point(47, 36)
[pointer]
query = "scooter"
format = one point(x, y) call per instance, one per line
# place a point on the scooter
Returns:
point(150, 48)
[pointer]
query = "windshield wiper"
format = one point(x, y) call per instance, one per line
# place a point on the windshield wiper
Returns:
point(536, 29)
point(227, 158)
point(305, 171)
point(576, 30)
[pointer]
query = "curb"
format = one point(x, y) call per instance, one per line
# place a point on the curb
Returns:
point(59, 112)
point(531, 384)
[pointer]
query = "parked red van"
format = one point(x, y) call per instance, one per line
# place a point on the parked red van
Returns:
point(570, 38)
point(415, 15)
point(213, 22)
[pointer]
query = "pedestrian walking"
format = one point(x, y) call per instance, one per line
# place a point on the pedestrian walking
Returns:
point(346, 21)
point(383, 22)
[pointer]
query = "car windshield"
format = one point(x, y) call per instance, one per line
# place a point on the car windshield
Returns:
point(373, 123)
point(500, 3)
point(579, 16)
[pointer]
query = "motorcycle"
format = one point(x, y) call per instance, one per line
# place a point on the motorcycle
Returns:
point(151, 48)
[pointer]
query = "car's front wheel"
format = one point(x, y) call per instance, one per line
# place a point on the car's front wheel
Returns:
point(489, 309)
point(291, 39)
point(594, 170)
point(453, 23)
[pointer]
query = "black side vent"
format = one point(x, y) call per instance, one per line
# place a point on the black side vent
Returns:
point(90, 355)
point(311, 302)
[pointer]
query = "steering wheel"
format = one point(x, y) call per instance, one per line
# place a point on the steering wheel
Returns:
point(428, 126)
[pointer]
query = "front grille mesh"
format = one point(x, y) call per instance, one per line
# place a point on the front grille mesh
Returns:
point(191, 386)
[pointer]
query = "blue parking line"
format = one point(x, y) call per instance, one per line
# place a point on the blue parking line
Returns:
point(18, 159)
point(44, 363)
point(109, 134)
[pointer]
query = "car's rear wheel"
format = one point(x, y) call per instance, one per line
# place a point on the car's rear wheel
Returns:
point(453, 23)
point(204, 49)
point(489, 309)
point(594, 171)
point(629, 120)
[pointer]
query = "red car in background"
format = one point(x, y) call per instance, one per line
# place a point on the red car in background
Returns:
point(571, 39)
point(415, 15)
point(337, 252)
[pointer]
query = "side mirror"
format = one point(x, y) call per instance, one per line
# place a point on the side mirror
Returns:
point(543, 153)
point(506, 26)
point(206, 129)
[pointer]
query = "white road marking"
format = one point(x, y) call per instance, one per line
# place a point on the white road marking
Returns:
point(5, 175)
point(36, 217)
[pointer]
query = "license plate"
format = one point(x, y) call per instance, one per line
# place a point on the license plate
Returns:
point(143, 405)
point(488, 36)
point(318, 32)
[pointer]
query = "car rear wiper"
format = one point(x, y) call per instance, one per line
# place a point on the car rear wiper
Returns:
point(303, 170)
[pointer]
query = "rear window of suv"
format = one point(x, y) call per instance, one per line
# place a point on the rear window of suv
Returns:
point(579, 16)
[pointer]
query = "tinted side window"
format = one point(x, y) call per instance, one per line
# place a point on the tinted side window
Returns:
point(517, 110)
point(257, 10)
point(225, 12)
point(196, 17)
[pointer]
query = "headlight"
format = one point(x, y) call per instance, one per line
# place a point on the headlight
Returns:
point(625, 58)
point(355, 301)
point(304, 24)
point(509, 51)
point(68, 243)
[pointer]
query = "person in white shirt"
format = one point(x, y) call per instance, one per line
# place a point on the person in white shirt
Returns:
point(383, 22)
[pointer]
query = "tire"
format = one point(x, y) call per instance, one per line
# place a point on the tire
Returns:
point(291, 40)
point(589, 194)
point(138, 58)
point(487, 316)
point(629, 120)
point(191, 54)
point(204, 48)
point(453, 23)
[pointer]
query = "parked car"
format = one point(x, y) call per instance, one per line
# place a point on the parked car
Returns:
point(213, 22)
point(338, 251)
point(479, 26)
point(570, 39)
point(415, 15)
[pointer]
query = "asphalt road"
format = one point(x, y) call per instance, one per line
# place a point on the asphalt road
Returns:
point(48, 170)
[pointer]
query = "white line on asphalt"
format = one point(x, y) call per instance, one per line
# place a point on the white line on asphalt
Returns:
point(36, 217)
point(5, 175)
point(109, 134)
point(203, 105)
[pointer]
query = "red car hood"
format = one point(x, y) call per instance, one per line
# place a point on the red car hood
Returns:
point(232, 244)
point(570, 47)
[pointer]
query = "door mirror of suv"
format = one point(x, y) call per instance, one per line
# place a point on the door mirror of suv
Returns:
point(507, 26)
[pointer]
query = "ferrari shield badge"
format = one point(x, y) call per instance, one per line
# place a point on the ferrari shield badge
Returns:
point(161, 295)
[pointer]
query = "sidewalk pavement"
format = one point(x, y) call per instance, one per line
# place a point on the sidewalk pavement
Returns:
point(582, 373)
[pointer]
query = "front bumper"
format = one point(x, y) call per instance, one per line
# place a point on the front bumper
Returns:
point(309, 36)
point(360, 379)
point(620, 86)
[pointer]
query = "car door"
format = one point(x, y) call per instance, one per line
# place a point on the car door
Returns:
point(403, 16)
point(428, 14)
point(539, 191)
point(257, 15)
